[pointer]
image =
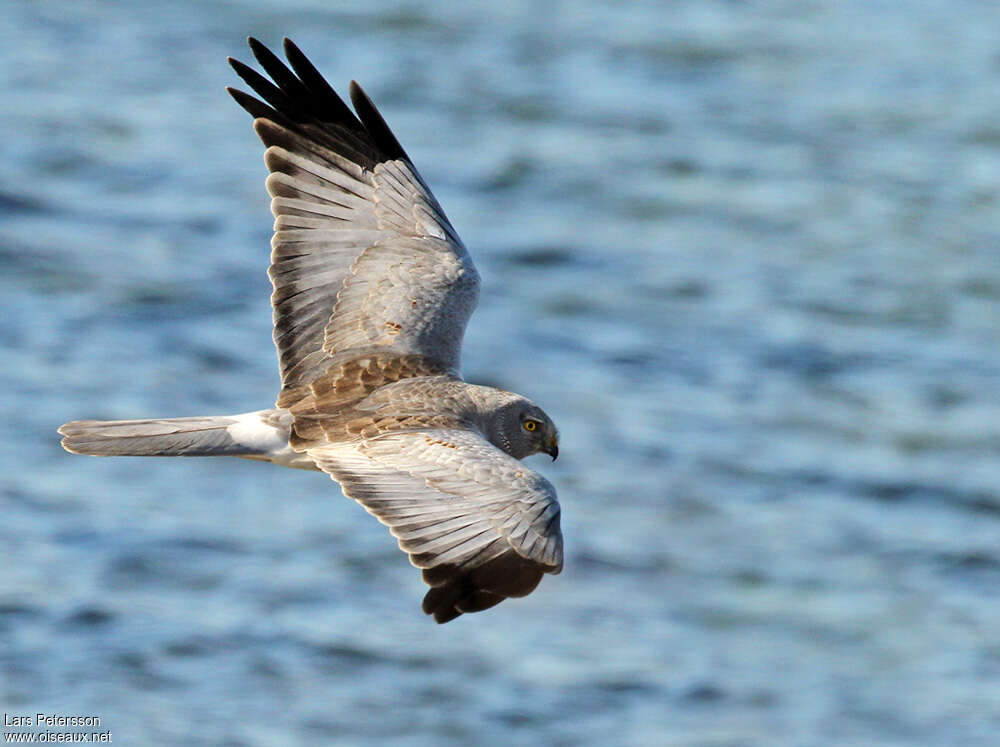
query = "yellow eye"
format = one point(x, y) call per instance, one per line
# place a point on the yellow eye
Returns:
point(530, 425)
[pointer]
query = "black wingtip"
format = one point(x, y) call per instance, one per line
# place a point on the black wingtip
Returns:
point(242, 69)
point(268, 59)
point(374, 123)
point(258, 49)
point(293, 53)
point(300, 97)
point(327, 102)
point(256, 109)
point(253, 42)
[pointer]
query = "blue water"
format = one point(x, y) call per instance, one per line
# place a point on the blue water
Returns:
point(747, 255)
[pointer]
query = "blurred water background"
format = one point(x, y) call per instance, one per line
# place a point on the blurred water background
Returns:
point(746, 254)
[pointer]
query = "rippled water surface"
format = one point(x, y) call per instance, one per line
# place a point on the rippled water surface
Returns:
point(747, 255)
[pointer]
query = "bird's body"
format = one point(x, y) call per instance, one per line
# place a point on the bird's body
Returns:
point(372, 292)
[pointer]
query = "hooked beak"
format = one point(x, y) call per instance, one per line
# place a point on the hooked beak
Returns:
point(552, 447)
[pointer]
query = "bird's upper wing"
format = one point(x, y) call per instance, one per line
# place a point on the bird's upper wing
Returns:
point(362, 254)
point(480, 524)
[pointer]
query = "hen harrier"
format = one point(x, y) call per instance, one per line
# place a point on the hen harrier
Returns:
point(372, 292)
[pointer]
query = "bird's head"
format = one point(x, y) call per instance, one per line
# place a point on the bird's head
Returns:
point(521, 428)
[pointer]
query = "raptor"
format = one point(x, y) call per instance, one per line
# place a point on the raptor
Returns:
point(372, 293)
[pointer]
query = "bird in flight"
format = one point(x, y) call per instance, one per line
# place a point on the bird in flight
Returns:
point(372, 292)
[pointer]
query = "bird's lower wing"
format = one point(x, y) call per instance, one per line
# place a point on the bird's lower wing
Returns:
point(481, 525)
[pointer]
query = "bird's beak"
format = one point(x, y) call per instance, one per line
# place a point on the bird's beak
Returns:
point(552, 447)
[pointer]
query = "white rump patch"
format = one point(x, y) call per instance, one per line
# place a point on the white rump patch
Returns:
point(272, 443)
point(249, 431)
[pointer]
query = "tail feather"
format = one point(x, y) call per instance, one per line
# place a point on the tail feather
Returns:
point(199, 436)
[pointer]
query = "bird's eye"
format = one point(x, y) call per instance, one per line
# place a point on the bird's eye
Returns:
point(530, 425)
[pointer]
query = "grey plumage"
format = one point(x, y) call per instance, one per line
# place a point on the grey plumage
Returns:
point(261, 435)
point(205, 436)
point(372, 292)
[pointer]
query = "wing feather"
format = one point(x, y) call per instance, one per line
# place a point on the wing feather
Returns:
point(481, 525)
point(362, 253)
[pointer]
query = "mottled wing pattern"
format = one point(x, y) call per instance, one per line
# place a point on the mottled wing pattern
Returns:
point(480, 524)
point(362, 254)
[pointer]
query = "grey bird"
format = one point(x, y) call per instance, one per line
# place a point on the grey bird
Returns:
point(372, 292)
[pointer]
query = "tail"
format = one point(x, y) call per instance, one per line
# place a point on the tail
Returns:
point(255, 435)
